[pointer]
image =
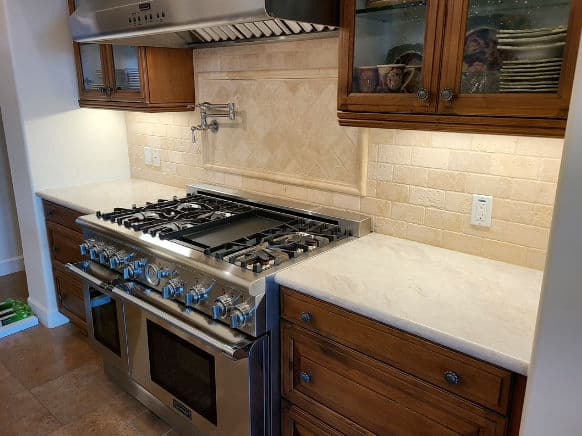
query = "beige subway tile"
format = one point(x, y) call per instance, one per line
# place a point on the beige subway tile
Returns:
point(380, 171)
point(494, 143)
point(395, 154)
point(447, 180)
point(550, 170)
point(470, 161)
point(458, 202)
point(391, 227)
point(319, 197)
point(296, 192)
point(464, 243)
point(159, 130)
point(529, 236)
point(424, 234)
point(511, 210)
point(407, 212)
point(233, 180)
point(536, 259)
point(455, 141)
point(343, 201)
point(542, 215)
point(375, 206)
point(381, 136)
point(488, 185)
point(371, 188)
point(373, 152)
point(412, 137)
point(410, 175)
point(427, 197)
point(392, 191)
point(504, 252)
point(182, 170)
point(430, 157)
point(175, 132)
point(520, 167)
point(542, 147)
point(533, 191)
point(443, 220)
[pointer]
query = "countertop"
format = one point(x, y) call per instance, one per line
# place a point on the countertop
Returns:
point(480, 307)
point(108, 195)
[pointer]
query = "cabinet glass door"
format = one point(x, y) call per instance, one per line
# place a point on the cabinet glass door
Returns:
point(92, 68)
point(393, 47)
point(126, 74)
point(511, 51)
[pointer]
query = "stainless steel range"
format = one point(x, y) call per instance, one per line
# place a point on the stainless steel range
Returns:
point(182, 304)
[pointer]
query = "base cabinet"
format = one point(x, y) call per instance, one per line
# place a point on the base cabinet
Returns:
point(333, 385)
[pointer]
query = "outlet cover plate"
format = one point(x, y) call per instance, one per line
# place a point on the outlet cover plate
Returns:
point(147, 155)
point(156, 159)
point(482, 210)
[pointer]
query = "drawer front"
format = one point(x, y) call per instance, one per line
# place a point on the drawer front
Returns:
point(64, 244)
point(376, 396)
point(296, 422)
point(70, 295)
point(467, 377)
point(61, 215)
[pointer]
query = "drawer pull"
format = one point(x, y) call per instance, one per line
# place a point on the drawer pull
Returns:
point(306, 317)
point(305, 377)
point(452, 378)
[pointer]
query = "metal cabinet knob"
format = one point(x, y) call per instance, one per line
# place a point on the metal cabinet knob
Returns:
point(306, 317)
point(448, 95)
point(423, 94)
point(305, 377)
point(452, 378)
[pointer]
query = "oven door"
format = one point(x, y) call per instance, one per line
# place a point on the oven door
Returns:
point(213, 378)
point(105, 312)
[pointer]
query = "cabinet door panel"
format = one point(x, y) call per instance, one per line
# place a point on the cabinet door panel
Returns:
point(126, 73)
point(510, 57)
point(390, 51)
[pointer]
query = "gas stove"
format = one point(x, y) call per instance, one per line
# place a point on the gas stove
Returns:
point(201, 268)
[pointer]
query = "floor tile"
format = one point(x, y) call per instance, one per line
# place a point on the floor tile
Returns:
point(13, 286)
point(148, 424)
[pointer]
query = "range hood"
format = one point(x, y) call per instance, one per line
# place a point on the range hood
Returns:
point(201, 23)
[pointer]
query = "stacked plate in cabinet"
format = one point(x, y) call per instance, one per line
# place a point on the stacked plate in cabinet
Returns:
point(133, 79)
point(532, 59)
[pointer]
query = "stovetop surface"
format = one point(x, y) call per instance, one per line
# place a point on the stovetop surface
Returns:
point(251, 237)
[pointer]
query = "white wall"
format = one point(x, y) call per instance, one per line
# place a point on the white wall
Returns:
point(555, 380)
point(51, 143)
point(10, 248)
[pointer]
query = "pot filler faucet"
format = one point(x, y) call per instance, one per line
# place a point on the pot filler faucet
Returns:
point(209, 110)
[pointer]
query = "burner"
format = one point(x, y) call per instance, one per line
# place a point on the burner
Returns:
point(258, 258)
point(298, 242)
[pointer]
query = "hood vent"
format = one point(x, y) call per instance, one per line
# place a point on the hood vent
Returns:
point(201, 23)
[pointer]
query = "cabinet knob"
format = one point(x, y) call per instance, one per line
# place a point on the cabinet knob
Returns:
point(423, 94)
point(448, 95)
point(305, 377)
point(306, 317)
point(452, 378)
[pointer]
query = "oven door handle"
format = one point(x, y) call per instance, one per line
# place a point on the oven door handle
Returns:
point(74, 269)
point(233, 352)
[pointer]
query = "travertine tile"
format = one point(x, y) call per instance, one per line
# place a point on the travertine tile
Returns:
point(427, 197)
point(410, 175)
point(408, 213)
point(504, 252)
point(515, 211)
point(488, 185)
point(390, 227)
point(494, 143)
point(542, 215)
point(455, 141)
point(542, 147)
point(393, 191)
point(470, 161)
point(375, 206)
point(442, 219)
point(533, 192)
point(550, 170)
point(536, 258)
point(520, 167)
point(458, 202)
point(395, 154)
point(447, 180)
point(412, 137)
point(380, 171)
point(430, 157)
point(424, 234)
point(343, 201)
point(463, 243)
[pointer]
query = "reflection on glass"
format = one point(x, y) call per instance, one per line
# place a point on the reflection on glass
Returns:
point(514, 46)
point(389, 46)
point(126, 62)
point(91, 65)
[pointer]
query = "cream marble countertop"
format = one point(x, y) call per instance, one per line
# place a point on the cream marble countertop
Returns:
point(484, 308)
point(108, 195)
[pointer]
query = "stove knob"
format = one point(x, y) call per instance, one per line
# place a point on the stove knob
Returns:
point(134, 270)
point(222, 306)
point(241, 315)
point(94, 252)
point(199, 294)
point(85, 247)
point(105, 255)
point(120, 259)
point(164, 273)
point(173, 289)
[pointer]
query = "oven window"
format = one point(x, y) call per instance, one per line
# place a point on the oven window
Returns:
point(105, 325)
point(183, 370)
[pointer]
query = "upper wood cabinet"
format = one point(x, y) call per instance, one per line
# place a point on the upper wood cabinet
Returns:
point(504, 66)
point(123, 77)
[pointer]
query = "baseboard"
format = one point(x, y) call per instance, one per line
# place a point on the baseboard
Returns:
point(50, 319)
point(11, 266)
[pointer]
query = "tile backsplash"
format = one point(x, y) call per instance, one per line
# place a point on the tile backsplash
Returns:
point(416, 185)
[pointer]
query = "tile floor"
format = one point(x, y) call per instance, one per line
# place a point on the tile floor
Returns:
point(52, 383)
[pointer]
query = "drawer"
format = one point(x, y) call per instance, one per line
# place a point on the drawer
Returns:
point(61, 215)
point(465, 376)
point(319, 374)
point(64, 243)
point(69, 292)
point(296, 422)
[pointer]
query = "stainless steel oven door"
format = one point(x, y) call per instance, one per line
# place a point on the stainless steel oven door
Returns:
point(213, 378)
point(105, 312)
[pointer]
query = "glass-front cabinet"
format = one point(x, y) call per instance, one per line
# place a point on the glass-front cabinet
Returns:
point(497, 64)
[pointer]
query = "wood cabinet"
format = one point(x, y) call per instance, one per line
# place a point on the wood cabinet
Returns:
point(64, 237)
point(147, 79)
point(457, 65)
point(358, 376)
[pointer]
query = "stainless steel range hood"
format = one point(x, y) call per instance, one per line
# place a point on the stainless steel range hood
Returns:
point(201, 23)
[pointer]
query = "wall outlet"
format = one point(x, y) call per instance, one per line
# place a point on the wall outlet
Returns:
point(482, 210)
point(147, 155)
point(156, 159)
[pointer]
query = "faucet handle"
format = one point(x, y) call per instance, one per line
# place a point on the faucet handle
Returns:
point(194, 129)
point(231, 111)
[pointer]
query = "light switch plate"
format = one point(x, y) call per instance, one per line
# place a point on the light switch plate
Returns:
point(156, 159)
point(147, 155)
point(482, 210)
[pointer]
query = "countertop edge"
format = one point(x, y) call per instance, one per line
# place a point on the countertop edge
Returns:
point(454, 343)
point(64, 203)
